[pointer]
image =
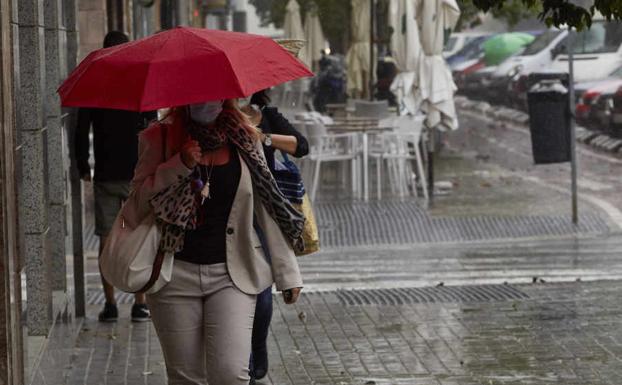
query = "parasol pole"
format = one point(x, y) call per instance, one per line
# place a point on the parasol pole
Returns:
point(431, 144)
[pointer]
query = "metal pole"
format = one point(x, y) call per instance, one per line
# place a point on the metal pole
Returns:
point(573, 153)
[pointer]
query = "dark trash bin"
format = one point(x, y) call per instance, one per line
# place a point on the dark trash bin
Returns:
point(549, 121)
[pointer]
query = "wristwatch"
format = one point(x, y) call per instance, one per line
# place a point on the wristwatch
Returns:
point(267, 141)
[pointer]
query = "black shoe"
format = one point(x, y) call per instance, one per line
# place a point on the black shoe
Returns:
point(140, 313)
point(109, 314)
point(260, 363)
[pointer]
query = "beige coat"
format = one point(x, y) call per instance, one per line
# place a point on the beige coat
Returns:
point(246, 262)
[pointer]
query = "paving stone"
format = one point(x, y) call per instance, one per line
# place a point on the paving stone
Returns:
point(563, 333)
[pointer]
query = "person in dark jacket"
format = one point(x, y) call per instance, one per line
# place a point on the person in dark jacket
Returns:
point(277, 133)
point(115, 142)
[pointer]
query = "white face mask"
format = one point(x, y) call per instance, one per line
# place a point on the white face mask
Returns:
point(205, 113)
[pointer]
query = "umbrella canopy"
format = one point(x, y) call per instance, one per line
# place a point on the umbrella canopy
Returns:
point(177, 67)
point(358, 57)
point(436, 85)
point(406, 51)
point(314, 36)
point(293, 26)
point(500, 47)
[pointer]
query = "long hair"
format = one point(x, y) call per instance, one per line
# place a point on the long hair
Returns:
point(179, 117)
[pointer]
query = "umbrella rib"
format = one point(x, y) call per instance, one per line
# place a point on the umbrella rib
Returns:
point(237, 81)
point(81, 74)
point(149, 65)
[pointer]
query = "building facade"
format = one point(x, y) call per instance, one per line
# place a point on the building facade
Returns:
point(39, 43)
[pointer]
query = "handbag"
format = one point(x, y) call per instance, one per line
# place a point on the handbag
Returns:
point(130, 260)
point(310, 233)
point(289, 180)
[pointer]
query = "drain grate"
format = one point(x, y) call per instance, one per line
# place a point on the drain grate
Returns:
point(394, 296)
point(392, 222)
point(442, 294)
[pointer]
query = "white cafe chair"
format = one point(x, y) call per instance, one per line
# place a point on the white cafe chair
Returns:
point(325, 147)
point(399, 150)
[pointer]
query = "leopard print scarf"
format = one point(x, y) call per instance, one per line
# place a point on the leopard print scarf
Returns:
point(176, 207)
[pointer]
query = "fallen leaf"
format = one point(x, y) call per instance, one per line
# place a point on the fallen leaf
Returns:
point(302, 316)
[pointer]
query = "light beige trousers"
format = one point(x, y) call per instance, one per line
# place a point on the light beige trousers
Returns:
point(204, 324)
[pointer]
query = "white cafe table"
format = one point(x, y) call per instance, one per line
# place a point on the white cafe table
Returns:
point(362, 126)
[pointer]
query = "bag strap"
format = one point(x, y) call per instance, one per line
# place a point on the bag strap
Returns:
point(159, 261)
point(155, 273)
point(285, 156)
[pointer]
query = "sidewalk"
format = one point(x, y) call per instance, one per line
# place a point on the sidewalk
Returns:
point(525, 334)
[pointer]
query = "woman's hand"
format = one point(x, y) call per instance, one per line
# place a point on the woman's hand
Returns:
point(191, 153)
point(291, 295)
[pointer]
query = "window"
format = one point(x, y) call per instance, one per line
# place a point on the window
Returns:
point(603, 37)
point(617, 73)
point(451, 43)
point(541, 42)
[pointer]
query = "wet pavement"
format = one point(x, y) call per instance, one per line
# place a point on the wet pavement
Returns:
point(507, 147)
point(490, 285)
point(566, 333)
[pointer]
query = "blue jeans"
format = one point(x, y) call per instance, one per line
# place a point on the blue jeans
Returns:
point(263, 308)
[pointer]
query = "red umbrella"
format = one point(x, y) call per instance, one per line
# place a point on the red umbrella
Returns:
point(177, 67)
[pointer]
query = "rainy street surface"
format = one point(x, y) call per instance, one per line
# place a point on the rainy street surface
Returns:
point(492, 284)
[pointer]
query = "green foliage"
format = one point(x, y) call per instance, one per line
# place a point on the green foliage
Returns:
point(334, 17)
point(335, 14)
point(512, 11)
point(560, 12)
point(468, 15)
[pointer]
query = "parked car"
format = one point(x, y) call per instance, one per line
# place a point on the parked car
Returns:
point(461, 73)
point(536, 56)
point(616, 113)
point(595, 101)
point(589, 96)
point(476, 82)
point(458, 40)
point(597, 51)
point(473, 51)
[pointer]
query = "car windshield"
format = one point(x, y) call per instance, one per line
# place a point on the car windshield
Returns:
point(617, 73)
point(603, 37)
point(451, 43)
point(541, 42)
point(473, 49)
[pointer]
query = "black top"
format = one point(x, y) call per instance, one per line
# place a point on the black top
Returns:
point(273, 122)
point(115, 141)
point(207, 244)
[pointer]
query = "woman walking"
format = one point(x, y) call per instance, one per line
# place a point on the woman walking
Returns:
point(203, 172)
point(277, 133)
